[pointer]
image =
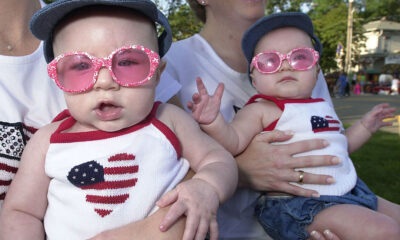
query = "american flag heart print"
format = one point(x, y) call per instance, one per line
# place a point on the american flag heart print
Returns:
point(106, 187)
point(321, 124)
point(13, 137)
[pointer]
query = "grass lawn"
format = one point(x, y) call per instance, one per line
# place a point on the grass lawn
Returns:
point(378, 165)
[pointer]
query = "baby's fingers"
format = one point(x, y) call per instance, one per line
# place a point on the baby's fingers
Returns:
point(172, 216)
point(219, 91)
point(168, 198)
point(214, 229)
point(200, 87)
point(202, 230)
point(192, 223)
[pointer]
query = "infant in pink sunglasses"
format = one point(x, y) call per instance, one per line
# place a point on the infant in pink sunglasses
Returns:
point(115, 156)
point(283, 53)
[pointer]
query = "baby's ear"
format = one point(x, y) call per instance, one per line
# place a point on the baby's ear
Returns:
point(162, 65)
point(318, 69)
point(160, 69)
point(252, 78)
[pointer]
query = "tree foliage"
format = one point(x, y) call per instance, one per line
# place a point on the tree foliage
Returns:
point(183, 23)
point(376, 9)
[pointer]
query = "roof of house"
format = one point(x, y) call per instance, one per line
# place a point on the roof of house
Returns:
point(382, 25)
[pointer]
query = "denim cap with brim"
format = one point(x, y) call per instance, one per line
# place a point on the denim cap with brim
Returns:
point(275, 21)
point(45, 20)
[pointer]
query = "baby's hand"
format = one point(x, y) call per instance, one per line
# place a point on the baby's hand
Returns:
point(373, 120)
point(199, 201)
point(205, 108)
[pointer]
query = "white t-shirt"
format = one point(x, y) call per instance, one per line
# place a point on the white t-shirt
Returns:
point(194, 57)
point(29, 100)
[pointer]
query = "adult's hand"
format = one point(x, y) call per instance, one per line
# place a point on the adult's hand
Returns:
point(267, 167)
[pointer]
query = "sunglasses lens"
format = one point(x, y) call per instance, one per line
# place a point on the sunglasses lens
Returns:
point(75, 72)
point(268, 62)
point(131, 66)
point(302, 59)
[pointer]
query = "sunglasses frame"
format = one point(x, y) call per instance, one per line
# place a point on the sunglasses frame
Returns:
point(99, 63)
point(282, 57)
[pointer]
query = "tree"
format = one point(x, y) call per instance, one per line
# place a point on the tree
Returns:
point(376, 9)
point(183, 23)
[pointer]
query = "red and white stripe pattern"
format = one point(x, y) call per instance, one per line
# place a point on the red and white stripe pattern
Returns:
point(321, 124)
point(13, 138)
point(106, 183)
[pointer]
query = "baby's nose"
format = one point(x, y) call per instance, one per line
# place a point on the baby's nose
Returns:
point(105, 80)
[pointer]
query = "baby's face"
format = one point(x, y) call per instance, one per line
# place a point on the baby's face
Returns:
point(286, 83)
point(108, 106)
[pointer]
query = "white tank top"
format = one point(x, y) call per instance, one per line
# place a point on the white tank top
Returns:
point(311, 119)
point(103, 180)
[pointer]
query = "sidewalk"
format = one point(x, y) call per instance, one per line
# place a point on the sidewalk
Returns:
point(351, 109)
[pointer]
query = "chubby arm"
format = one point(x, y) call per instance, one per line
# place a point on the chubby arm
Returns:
point(26, 201)
point(235, 136)
point(214, 182)
point(372, 121)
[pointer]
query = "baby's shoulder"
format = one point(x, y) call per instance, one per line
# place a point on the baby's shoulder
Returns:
point(44, 133)
point(263, 106)
point(172, 115)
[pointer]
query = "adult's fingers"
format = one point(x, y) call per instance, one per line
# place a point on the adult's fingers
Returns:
point(306, 145)
point(274, 136)
point(297, 191)
point(310, 161)
point(311, 178)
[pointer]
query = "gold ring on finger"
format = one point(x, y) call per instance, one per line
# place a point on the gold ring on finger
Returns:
point(301, 176)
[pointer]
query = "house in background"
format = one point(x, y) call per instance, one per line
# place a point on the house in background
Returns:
point(382, 47)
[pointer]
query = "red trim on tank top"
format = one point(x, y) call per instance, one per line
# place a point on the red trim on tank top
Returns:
point(281, 105)
point(59, 137)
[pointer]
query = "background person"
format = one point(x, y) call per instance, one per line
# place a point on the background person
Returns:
point(215, 55)
point(22, 71)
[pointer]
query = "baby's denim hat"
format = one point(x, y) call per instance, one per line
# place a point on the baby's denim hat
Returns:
point(274, 21)
point(46, 19)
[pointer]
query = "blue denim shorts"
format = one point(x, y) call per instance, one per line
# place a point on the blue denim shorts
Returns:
point(288, 217)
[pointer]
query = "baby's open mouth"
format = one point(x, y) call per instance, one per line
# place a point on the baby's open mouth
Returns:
point(108, 111)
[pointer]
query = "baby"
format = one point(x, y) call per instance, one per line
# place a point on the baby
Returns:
point(114, 153)
point(283, 53)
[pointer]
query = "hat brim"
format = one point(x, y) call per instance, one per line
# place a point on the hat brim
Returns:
point(45, 20)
